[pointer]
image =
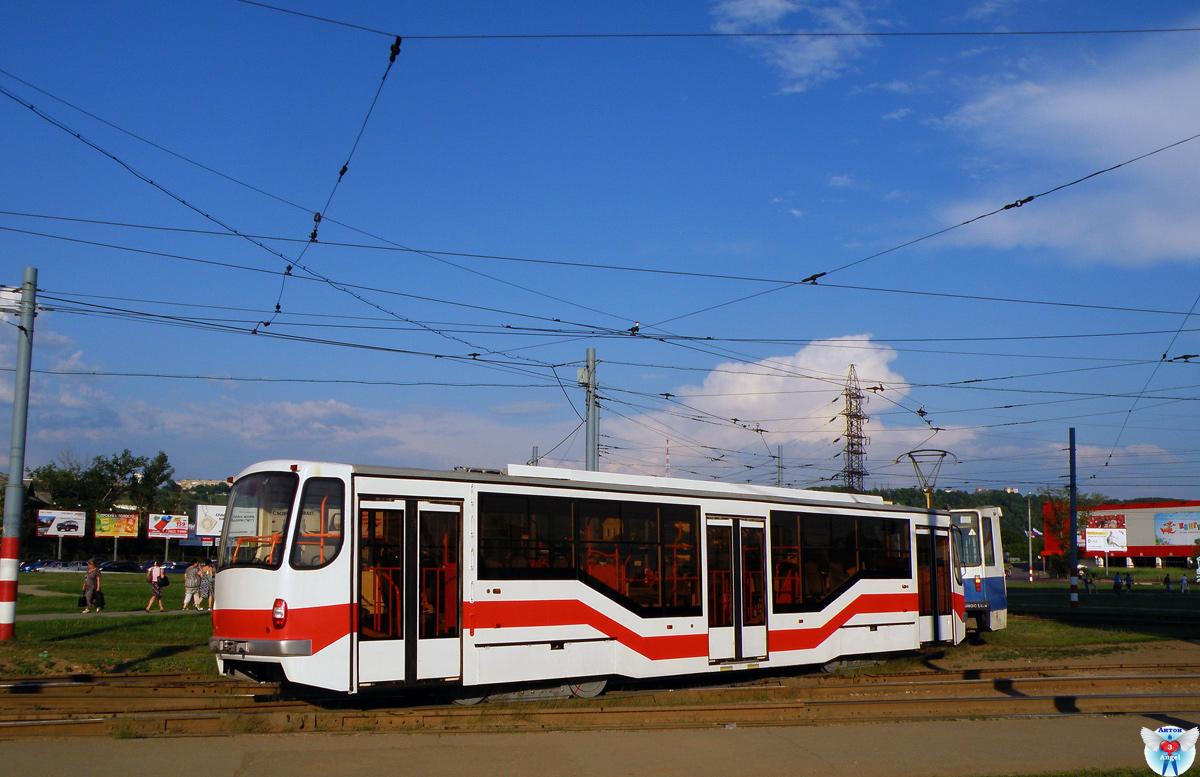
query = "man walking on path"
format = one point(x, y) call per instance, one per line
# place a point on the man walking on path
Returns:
point(191, 585)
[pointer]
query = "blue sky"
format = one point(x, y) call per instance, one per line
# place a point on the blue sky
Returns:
point(609, 167)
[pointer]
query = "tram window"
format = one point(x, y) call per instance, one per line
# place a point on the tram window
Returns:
point(381, 574)
point(256, 520)
point(969, 547)
point(680, 557)
point(883, 547)
point(720, 576)
point(989, 552)
point(815, 556)
point(785, 555)
point(438, 543)
point(525, 538)
point(319, 526)
point(643, 555)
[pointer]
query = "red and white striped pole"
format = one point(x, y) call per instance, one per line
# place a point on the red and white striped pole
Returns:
point(14, 494)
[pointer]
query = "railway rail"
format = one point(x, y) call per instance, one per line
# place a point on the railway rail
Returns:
point(147, 705)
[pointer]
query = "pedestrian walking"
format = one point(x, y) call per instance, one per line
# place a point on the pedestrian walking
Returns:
point(206, 582)
point(91, 587)
point(191, 585)
point(1183, 584)
point(1116, 584)
point(156, 577)
point(1128, 582)
point(1167, 581)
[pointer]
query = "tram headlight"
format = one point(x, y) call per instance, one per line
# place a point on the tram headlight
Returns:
point(279, 614)
point(978, 587)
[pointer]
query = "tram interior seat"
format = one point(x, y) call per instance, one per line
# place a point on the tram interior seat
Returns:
point(604, 573)
point(787, 582)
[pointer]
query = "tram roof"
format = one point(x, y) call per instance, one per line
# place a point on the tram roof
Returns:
point(517, 474)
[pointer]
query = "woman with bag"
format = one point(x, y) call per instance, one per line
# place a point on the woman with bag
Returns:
point(91, 588)
point(206, 583)
point(157, 578)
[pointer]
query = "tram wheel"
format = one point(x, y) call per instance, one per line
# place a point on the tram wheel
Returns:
point(588, 690)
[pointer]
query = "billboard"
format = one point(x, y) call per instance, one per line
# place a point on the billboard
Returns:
point(1101, 521)
point(1106, 540)
point(209, 520)
point(116, 524)
point(60, 523)
point(1176, 528)
point(169, 527)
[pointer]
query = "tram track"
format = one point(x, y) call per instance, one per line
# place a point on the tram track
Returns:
point(175, 705)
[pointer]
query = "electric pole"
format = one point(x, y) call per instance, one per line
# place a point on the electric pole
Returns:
point(587, 379)
point(854, 454)
point(14, 495)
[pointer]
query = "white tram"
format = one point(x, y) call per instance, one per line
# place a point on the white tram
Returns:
point(347, 577)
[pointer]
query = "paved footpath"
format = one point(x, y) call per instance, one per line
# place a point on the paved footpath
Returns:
point(1004, 747)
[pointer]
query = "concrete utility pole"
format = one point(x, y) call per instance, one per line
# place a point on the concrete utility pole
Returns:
point(14, 495)
point(587, 379)
point(1073, 536)
point(1029, 532)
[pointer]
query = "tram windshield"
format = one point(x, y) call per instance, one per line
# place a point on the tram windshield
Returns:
point(256, 520)
point(968, 551)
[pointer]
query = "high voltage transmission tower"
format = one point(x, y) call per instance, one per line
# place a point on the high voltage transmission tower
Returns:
point(854, 455)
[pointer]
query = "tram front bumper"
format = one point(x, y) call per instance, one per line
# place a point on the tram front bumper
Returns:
point(274, 648)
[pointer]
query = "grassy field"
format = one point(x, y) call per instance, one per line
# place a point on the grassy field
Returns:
point(124, 592)
point(137, 643)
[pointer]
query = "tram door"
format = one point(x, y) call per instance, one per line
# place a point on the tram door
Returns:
point(935, 565)
point(736, 579)
point(409, 603)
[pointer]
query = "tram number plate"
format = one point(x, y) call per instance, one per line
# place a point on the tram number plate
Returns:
point(233, 646)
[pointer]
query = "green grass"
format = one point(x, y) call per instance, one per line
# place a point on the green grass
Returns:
point(123, 592)
point(138, 643)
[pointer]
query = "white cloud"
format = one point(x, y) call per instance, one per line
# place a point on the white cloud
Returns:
point(841, 181)
point(795, 399)
point(897, 114)
point(1045, 132)
point(803, 62)
point(987, 8)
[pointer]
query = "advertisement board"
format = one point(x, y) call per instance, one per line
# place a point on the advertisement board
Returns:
point(1099, 520)
point(60, 523)
point(1176, 528)
point(116, 524)
point(209, 520)
point(1106, 540)
point(168, 527)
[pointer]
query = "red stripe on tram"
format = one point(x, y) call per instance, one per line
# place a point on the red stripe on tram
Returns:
point(323, 625)
point(807, 639)
point(569, 612)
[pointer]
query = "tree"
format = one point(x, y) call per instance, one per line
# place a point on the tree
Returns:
point(150, 491)
point(1057, 522)
point(73, 486)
